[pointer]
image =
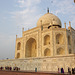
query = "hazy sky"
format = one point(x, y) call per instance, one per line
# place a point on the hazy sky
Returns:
point(16, 14)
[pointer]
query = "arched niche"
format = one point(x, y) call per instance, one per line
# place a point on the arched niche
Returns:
point(69, 40)
point(18, 55)
point(59, 39)
point(60, 51)
point(31, 48)
point(70, 51)
point(47, 52)
point(18, 46)
point(47, 40)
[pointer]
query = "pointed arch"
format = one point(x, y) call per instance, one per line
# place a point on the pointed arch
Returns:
point(46, 40)
point(69, 40)
point(70, 51)
point(18, 55)
point(59, 39)
point(60, 51)
point(47, 52)
point(31, 48)
point(18, 46)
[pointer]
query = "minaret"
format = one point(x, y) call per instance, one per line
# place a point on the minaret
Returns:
point(16, 36)
point(65, 25)
point(22, 29)
point(41, 25)
point(69, 24)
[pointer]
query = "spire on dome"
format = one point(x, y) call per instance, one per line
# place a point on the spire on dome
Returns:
point(47, 10)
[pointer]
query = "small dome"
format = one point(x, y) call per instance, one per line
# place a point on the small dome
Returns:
point(49, 19)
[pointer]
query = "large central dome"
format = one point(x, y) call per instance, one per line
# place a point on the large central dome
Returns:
point(49, 19)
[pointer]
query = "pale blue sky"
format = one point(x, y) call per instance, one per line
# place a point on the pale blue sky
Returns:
point(16, 14)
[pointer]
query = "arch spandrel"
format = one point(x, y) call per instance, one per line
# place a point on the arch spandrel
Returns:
point(31, 48)
point(30, 36)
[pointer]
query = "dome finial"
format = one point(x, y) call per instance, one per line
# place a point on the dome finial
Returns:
point(47, 10)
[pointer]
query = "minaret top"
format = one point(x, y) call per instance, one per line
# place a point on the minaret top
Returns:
point(69, 23)
point(47, 10)
point(65, 24)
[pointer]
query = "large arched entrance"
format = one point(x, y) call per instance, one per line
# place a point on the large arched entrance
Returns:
point(31, 48)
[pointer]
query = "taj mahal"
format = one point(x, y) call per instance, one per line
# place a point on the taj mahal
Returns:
point(46, 47)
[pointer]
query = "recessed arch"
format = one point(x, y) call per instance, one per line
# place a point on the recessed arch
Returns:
point(70, 51)
point(31, 47)
point(69, 40)
point(18, 46)
point(18, 55)
point(47, 52)
point(60, 51)
point(59, 39)
point(47, 40)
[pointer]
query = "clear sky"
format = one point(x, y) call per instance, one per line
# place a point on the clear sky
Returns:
point(16, 14)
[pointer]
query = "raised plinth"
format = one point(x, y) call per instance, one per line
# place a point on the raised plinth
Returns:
point(28, 73)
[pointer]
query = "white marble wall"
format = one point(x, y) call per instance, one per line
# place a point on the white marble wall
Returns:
point(42, 64)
